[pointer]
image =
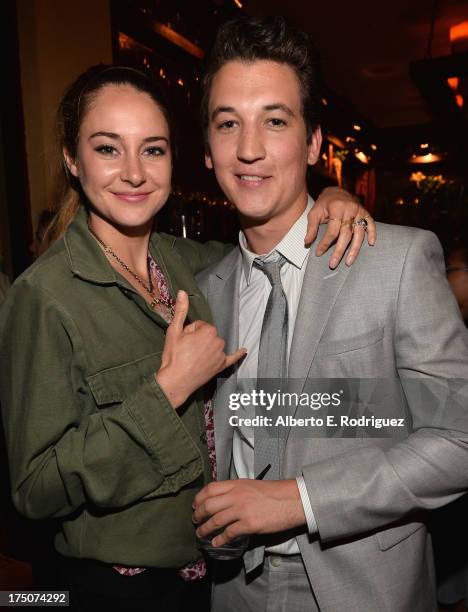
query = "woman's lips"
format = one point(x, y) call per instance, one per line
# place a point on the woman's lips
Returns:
point(132, 197)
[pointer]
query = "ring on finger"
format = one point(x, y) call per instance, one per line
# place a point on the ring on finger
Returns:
point(349, 222)
point(360, 223)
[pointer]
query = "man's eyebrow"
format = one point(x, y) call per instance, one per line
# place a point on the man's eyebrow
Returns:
point(221, 109)
point(115, 136)
point(279, 106)
point(268, 107)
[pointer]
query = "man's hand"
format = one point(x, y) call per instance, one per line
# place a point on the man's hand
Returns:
point(339, 209)
point(192, 355)
point(247, 507)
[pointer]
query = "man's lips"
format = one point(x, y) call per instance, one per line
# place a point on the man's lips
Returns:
point(252, 180)
point(131, 196)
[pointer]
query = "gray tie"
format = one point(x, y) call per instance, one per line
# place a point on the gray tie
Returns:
point(272, 364)
point(272, 367)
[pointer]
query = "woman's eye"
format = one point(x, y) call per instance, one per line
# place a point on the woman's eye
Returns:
point(106, 150)
point(154, 151)
point(227, 125)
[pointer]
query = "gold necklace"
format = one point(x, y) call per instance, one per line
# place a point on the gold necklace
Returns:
point(155, 301)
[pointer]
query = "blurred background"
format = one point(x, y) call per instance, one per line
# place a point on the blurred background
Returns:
point(394, 106)
point(395, 116)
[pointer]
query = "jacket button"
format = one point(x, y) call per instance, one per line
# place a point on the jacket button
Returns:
point(203, 439)
point(275, 561)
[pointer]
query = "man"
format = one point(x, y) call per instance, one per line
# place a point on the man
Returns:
point(336, 525)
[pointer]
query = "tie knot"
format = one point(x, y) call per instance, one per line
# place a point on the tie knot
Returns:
point(272, 269)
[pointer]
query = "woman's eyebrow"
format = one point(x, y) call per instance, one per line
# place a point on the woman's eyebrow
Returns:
point(107, 134)
point(115, 136)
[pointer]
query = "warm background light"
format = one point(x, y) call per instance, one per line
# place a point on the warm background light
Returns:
point(459, 37)
point(179, 40)
point(336, 141)
point(429, 158)
point(459, 31)
point(362, 157)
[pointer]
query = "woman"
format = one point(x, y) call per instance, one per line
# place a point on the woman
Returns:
point(100, 381)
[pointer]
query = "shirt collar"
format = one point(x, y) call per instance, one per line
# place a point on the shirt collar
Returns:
point(291, 246)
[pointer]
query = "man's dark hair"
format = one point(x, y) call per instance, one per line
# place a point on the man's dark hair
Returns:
point(248, 39)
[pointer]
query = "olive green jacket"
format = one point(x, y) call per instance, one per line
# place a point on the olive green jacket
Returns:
point(91, 437)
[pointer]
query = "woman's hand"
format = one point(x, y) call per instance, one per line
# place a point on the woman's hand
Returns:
point(192, 355)
point(339, 209)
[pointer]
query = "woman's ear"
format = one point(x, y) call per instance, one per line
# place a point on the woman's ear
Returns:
point(208, 160)
point(71, 163)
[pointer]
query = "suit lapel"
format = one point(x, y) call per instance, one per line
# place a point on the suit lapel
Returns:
point(320, 289)
point(223, 297)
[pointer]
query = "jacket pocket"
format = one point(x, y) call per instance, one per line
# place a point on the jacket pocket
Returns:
point(337, 347)
point(114, 385)
point(391, 537)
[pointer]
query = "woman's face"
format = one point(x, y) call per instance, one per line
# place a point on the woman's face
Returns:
point(123, 158)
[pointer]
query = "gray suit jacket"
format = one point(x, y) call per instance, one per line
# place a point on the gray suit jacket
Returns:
point(390, 316)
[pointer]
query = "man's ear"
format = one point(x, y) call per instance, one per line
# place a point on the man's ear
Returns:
point(208, 160)
point(314, 146)
point(71, 163)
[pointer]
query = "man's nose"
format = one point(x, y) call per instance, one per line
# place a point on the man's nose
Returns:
point(250, 146)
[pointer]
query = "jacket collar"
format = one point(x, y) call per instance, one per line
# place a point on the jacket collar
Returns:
point(85, 256)
point(88, 262)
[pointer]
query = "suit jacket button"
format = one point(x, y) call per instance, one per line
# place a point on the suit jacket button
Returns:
point(275, 561)
point(203, 438)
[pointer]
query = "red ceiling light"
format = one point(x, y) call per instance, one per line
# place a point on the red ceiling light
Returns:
point(459, 37)
point(459, 31)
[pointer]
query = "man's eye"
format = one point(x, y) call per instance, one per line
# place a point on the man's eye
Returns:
point(154, 151)
point(106, 150)
point(275, 122)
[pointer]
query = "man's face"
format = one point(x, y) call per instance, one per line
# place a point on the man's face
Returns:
point(257, 139)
